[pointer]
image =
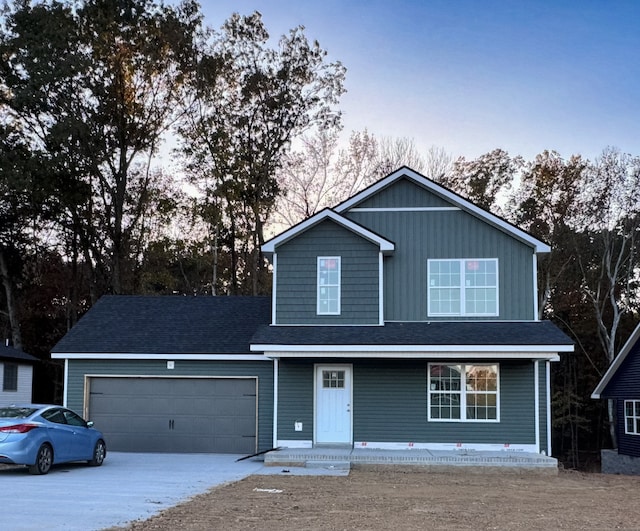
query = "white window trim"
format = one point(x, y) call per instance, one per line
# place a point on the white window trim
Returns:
point(634, 417)
point(319, 286)
point(462, 286)
point(463, 393)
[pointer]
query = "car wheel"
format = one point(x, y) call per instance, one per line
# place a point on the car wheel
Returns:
point(99, 453)
point(44, 460)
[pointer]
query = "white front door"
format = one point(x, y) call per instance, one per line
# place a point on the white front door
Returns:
point(333, 404)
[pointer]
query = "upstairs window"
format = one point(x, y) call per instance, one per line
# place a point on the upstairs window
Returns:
point(632, 417)
point(10, 377)
point(463, 287)
point(328, 285)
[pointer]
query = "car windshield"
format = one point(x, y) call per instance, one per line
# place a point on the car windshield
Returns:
point(16, 412)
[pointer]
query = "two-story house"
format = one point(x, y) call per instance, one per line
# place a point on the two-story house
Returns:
point(405, 317)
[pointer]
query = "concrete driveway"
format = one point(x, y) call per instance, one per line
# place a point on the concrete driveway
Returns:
point(127, 487)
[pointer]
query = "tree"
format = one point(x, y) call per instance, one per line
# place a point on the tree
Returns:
point(609, 217)
point(322, 175)
point(95, 86)
point(249, 101)
point(486, 180)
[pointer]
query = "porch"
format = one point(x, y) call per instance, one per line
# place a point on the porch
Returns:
point(465, 461)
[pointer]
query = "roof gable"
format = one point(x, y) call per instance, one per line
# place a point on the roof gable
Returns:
point(617, 363)
point(451, 198)
point(385, 245)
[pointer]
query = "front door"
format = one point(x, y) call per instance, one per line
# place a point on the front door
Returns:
point(333, 404)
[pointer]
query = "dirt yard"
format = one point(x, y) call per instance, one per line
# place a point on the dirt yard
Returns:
point(408, 498)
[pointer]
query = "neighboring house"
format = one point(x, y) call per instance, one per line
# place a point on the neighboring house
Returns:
point(16, 374)
point(403, 318)
point(621, 383)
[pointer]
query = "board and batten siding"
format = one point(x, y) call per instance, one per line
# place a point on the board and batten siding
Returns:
point(440, 234)
point(297, 277)
point(390, 404)
point(263, 371)
point(25, 384)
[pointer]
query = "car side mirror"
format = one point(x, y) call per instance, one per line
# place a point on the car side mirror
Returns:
point(90, 424)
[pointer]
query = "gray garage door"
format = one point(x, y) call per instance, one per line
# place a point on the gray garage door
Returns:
point(185, 415)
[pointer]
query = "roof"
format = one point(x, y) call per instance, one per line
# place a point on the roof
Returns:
point(13, 354)
point(449, 195)
point(385, 245)
point(617, 362)
point(167, 325)
point(434, 336)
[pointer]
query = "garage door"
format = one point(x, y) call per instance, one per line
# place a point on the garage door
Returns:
point(183, 415)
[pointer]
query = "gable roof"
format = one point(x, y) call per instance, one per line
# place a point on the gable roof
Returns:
point(167, 325)
point(450, 196)
point(617, 362)
point(385, 245)
point(419, 337)
point(13, 354)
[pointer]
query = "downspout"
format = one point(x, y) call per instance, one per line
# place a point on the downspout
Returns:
point(548, 370)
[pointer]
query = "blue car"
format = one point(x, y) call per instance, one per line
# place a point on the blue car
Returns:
point(40, 436)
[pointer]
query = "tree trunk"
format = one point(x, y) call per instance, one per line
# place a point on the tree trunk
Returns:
point(12, 307)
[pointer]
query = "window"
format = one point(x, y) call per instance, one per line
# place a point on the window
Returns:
point(328, 285)
point(463, 392)
point(463, 287)
point(632, 417)
point(333, 379)
point(10, 377)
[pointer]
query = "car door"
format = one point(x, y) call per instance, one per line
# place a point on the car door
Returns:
point(60, 434)
point(82, 440)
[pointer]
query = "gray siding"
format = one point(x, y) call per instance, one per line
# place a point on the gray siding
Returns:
point(390, 405)
point(404, 193)
point(420, 236)
point(262, 370)
point(295, 400)
point(542, 389)
point(296, 281)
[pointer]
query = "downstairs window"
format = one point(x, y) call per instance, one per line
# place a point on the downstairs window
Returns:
point(463, 392)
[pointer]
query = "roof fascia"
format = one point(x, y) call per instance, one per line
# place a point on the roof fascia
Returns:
point(368, 349)
point(443, 355)
point(613, 368)
point(153, 356)
point(386, 246)
point(539, 246)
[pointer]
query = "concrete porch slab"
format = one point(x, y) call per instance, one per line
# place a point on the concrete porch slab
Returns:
point(437, 461)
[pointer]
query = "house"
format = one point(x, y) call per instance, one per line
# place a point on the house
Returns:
point(621, 383)
point(406, 318)
point(403, 318)
point(16, 372)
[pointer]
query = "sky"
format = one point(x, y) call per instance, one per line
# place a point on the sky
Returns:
point(470, 76)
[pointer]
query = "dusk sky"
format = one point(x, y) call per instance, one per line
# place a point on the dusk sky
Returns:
point(470, 76)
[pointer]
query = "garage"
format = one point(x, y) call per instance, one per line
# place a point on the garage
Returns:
point(179, 415)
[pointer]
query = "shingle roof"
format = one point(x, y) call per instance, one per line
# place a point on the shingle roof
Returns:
point(10, 353)
point(167, 325)
point(529, 333)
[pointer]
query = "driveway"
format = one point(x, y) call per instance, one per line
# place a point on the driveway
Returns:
point(127, 487)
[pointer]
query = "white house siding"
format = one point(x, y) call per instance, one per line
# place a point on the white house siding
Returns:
point(23, 394)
